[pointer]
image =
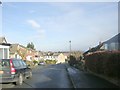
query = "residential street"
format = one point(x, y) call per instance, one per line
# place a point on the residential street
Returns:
point(59, 44)
point(57, 76)
point(51, 76)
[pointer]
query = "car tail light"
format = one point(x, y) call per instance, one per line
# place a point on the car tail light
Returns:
point(12, 68)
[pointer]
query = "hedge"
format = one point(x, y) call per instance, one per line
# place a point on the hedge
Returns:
point(106, 63)
point(50, 61)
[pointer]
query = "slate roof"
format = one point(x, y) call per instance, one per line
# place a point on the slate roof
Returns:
point(2, 39)
point(116, 38)
point(94, 49)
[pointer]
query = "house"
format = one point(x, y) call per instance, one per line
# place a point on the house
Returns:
point(34, 55)
point(94, 49)
point(59, 57)
point(4, 48)
point(21, 52)
point(14, 51)
point(38, 55)
point(112, 44)
point(49, 56)
point(29, 54)
point(66, 54)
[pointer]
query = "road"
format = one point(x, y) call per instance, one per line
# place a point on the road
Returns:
point(57, 76)
point(50, 76)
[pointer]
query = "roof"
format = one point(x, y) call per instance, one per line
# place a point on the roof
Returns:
point(4, 42)
point(56, 54)
point(2, 39)
point(116, 38)
point(13, 48)
point(94, 49)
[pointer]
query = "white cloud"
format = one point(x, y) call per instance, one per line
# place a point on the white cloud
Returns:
point(37, 27)
point(33, 23)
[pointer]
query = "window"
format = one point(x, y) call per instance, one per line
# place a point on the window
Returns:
point(20, 62)
point(106, 46)
point(24, 64)
point(5, 53)
point(1, 53)
point(112, 46)
point(16, 63)
point(4, 64)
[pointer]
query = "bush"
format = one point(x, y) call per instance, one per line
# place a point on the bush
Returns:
point(105, 63)
point(41, 61)
point(50, 61)
point(72, 61)
point(35, 62)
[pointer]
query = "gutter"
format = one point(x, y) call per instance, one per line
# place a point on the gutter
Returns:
point(71, 80)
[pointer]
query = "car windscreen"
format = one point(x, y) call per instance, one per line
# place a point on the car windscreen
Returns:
point(4, 64)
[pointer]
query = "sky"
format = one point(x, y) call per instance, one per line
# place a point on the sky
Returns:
point(51, 25)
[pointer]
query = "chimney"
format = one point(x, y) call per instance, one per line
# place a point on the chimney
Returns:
point(100, 43)
point(89, 48)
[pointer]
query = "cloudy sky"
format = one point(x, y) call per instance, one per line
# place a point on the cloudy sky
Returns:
point(50, 26)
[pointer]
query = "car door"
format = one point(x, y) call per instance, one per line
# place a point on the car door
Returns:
point(26, 69)
point(17, 66)
point(4, 69)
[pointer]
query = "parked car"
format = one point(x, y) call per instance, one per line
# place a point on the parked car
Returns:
point(14, 70)
point(41, 63)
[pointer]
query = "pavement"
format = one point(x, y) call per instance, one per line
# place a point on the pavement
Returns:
point(82, 79)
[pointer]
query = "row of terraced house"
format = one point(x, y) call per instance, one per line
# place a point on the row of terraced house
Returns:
point(8, 50)
point(18, 51)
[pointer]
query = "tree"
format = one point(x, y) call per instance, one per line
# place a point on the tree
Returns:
point(30, 45)
point(72, 60)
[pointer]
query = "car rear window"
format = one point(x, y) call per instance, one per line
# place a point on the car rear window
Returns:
point(4, 64)
point(16, 63)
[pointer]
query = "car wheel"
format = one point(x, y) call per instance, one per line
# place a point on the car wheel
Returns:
point(20, 80)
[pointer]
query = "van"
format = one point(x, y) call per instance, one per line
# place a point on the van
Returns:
point(14, 70)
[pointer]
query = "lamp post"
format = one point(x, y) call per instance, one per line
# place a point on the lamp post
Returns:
point(70, 47)
point(0, 3)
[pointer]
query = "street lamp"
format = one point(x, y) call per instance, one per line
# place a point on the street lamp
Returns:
point(0, 3)
point(70, 47)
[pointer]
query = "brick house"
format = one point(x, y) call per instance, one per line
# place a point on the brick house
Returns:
point(21, 52)
point(18, 51)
